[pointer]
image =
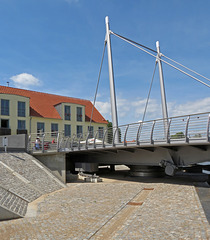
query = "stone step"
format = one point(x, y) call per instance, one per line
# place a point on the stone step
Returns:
point(32, 170)
point(12, 203)
point(17, 185)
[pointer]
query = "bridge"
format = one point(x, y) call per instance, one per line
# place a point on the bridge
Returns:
point(184, 143)
point(169, 144)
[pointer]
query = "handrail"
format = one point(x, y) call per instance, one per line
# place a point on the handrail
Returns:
point(186, 129)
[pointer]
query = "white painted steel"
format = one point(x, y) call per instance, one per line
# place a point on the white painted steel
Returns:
point(111, 79)
point(182, 130)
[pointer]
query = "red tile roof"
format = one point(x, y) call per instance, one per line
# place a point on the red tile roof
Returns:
point(43, 104)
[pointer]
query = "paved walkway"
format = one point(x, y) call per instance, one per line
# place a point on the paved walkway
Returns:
point(113, 209)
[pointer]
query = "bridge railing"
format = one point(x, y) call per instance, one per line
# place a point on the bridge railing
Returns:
point(176, 130)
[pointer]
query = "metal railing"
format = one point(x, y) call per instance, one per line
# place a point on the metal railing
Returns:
point(176, 130)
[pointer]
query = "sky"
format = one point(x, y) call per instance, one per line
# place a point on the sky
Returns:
point(56, 46)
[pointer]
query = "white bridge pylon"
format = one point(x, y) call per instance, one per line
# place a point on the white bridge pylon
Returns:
point(158, 57)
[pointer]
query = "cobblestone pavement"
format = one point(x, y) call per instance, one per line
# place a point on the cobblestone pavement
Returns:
point(113, 209)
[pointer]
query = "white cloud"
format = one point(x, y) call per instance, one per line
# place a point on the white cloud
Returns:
point(132, 111)
point(197, 106)
point(104, 108)
point(24, 80)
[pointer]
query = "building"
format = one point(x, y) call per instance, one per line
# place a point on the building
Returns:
point(24, 111)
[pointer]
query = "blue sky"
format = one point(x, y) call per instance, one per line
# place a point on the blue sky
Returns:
point(55, 46)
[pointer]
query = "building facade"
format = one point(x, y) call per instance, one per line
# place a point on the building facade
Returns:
point(30, 112)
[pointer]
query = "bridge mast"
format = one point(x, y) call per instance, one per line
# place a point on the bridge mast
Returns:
point(111, 82)
point(162, 86)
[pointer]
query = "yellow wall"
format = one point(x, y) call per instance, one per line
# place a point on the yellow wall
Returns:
point(13, 111)
point(31, 122)
point(61, 122)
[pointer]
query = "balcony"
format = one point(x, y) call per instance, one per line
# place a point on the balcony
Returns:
point(5, 131)
point(22, 131)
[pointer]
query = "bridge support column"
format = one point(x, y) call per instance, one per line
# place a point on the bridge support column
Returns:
point(162, 88)
point(111, 82)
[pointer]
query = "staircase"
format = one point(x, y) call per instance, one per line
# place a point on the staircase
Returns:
point(22, 180)
point(11, 205)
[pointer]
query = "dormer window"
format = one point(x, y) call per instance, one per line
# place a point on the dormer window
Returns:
point(79, 114)
point(67, 113)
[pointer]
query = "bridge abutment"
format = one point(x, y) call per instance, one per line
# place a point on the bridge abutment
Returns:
point(56, 162)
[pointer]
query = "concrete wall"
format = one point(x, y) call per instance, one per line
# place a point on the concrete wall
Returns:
point(15, 142)
point(7, 215)
point(56, 162)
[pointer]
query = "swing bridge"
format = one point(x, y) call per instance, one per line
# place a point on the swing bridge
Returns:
point(169, 144)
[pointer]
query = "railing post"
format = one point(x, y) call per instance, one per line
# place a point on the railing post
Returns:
point(186, 130)
point(43, 137)
point(79, 142)
point(208, 126)
point(86, 142)
point(57, 147)
point(72, 142)
point(94, 142)
point(168, 139)
point(151, 136)
point(67, 142)
point(138, 133)
point(113, 140)
point(126, 130)
point(29, 143)
point(104, 138)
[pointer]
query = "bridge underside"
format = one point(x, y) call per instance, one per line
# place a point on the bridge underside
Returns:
point(168, 157)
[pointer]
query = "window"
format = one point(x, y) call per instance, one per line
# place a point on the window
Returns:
point(100, 132)
point(67, 113)
point(4, 123)
point(67, 130)
point(79, 114)
point(79, 131)
point(21, 109)
point(4, 107)
point(40, 127)
point(90, 131)
point(21, 124)
point(54, 129)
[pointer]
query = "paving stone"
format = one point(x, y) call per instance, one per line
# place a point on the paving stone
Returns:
point(22, 164)
point(12, 202)
point(90, 210)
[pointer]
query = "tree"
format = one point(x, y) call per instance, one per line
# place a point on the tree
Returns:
point(178, 135)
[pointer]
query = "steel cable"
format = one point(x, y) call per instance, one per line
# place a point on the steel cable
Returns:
point(171, 65)
point(99, 75)
point(149, 92)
